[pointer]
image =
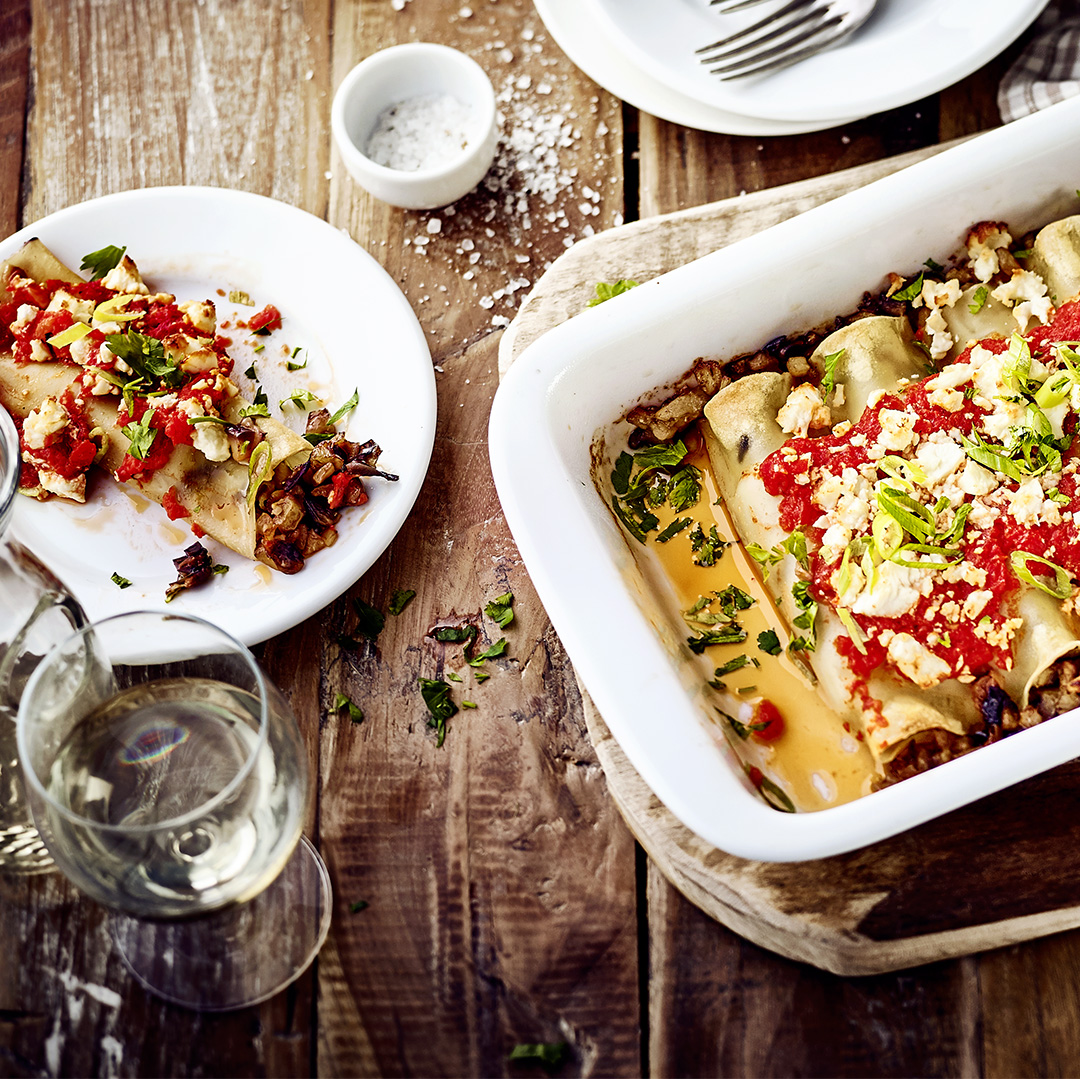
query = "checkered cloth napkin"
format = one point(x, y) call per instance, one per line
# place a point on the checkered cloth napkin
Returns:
point(1048, 70)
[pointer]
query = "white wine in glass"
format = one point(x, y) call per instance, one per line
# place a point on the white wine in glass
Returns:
point(168, 779)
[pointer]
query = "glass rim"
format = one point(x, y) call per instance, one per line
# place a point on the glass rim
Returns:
point(10, 465)
point(30, 775)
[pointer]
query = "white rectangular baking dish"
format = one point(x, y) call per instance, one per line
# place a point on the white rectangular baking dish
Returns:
point(583, 375)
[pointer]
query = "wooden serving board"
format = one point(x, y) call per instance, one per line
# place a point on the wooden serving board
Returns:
point(994, 873)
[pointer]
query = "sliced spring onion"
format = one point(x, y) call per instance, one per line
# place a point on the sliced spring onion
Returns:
point(73, 333)
point(1062, 586)
point(852, 627)
point(258, 471)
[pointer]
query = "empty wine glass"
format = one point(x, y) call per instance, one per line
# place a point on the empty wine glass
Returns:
point(168, 778)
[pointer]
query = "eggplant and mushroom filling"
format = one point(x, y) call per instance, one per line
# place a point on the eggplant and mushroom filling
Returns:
point(299, 507)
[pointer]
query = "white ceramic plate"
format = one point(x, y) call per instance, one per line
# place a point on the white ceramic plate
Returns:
point(907, 50)
point(576, 380)
point(580, 31)
point(355, 327)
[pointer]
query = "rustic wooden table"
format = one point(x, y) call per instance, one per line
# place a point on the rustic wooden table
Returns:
point(506, 901)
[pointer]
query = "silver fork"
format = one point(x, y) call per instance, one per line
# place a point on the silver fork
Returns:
point(797, 30)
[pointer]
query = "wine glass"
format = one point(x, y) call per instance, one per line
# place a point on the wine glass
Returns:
point(168, 779)
point(36, 611)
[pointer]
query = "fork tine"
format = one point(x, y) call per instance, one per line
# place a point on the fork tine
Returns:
point(754, 48)
point(769, 21)
point(781, 55)
point(787, 61)
point(735, 5)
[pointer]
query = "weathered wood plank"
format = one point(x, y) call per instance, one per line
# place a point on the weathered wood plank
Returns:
point(14, 96)
point(498, 877)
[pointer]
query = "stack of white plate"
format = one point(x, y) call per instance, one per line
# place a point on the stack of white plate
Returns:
point(643, 52)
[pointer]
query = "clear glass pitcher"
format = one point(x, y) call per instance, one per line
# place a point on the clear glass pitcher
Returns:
point(36, 611)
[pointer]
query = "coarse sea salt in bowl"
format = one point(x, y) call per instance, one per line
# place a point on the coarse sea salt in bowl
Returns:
point(415, 124)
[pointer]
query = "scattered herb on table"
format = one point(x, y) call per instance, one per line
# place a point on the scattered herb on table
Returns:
point(547, 1054)
point(370, 620)
point(359, 905)
point(401, 599)
point(355, 713)
point(605, 291)
point(436, 694)
point(500, 609)
point(497, 649)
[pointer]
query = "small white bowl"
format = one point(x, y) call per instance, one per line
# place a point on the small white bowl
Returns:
point(400, 74)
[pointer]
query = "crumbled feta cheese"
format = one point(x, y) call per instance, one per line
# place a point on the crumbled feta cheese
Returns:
point(1025, 293)
point(804, 409)
point(976, 603)
point(983, 242)
point(897, 429)
point(939, 457)
point(1026, 502)
point(124, 277)
point(201, 313)
point(75, 488)
point(916, 662)
point(49, 418)
point(23, 317)
point(896, 589)
point(950, 400)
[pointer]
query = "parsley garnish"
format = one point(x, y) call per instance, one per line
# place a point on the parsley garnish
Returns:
point(910, 291)
point(707, 549)
point(736, 664)
point(465, 634)
point(300, 398)
point(401, 599)
point(500, 610)
point(145, 356)
point(345, 408)
point(768, 642)
point(936, 267)
point(829, 381)
point(673, 529)
point(359, 905)
point(250, 372)
point(370, 619)
point(454, 676)
point(548, 1054)
point(120, 582)
point(805, 620)
point(342, 701)
point(436, 694)
point(103, 260)
point(743, 730)
point(140, 435)
point(684, 489)
point(729, 634)
point(291, 363)
point(497, 649)
point(604, 291)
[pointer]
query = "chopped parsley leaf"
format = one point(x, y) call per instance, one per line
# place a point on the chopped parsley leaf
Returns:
point(342, 701)
point(345, 408)
point(707, 549)
point(604, 291)
point(497, 649)
point(145, 356)
point(140, 435)
point(730, 634)
point(910, 291)
point(673, 529)
point(548, 1054)
point(436, 694)
point(454, 676)
point(768, 642)
point(370, 619)
point(120, 582)
point(100, 262)
point(359, 905)
point(736, 664)
point(291, 363)
point(300, 398)
point(500, 609)
point(401, 599)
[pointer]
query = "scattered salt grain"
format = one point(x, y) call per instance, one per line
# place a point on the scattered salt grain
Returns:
point(434, 225)
point(422, 132)
point(466, 12)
